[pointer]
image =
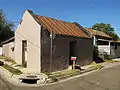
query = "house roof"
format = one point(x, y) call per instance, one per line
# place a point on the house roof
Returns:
point(8, 40)
point(61, 27)
point(118, 41)
point(98, 33)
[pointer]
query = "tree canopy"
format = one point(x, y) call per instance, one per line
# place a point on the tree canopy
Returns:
point(106, 28)
point(6, 27)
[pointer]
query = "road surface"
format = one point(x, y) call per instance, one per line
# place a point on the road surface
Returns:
point(3, 85)
point(105, 79)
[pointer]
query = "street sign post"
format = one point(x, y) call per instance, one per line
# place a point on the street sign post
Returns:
point(52, 36)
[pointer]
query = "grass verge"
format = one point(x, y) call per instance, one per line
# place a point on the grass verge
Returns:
point(97, 66)
point(2, 57)
point(68, 73)
point(61, 75)
point(8, 59)
point(112, 61)
point(12, 70)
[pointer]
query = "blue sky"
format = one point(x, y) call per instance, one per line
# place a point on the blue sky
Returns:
point(86, 12)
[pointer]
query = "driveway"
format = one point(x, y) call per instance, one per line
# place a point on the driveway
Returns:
point(105, 79)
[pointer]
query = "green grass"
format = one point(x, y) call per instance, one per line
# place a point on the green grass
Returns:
point(93, 63)
point(97, 66)
point(68, 73)
point(63, 74)
point(2, 57)
point(111, 61)
point(12, 70)
point(10, 60)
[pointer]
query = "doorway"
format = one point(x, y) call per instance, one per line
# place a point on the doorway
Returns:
point(72, 51)
point(24, 53)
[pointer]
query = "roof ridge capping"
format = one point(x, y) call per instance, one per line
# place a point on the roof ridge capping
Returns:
point(34, 16)
point(54, 18)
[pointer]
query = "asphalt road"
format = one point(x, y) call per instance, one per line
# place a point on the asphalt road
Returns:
point(105, 79)
point(3, 85)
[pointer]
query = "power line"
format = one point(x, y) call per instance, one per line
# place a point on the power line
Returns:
point(27, 40)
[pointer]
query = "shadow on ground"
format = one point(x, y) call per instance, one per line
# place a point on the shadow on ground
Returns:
point(98, 60)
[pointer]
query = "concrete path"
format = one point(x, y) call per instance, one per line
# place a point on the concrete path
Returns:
point(105, 79)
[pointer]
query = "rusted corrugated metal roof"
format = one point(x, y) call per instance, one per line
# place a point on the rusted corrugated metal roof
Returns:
point(98, 33)
point(61, 27)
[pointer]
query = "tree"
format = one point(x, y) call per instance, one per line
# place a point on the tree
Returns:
point(6, 27)
point(106, 28)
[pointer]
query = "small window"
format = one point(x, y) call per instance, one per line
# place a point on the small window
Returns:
point(118, 44)
point(102, 42)
point(24, 44)
point(12, 48)
point(112, 43)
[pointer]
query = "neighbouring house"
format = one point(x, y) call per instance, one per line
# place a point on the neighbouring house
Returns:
point(45, 44)
point(8, 48)
point(105, 43)
point(115, 49)
point(1, 51)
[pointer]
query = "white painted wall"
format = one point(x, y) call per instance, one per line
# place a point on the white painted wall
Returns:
point(11, 53)
point(0, 51)
point(104, 48)
point(7, 51)
point(110, 50)
point(94, 41)
point(29, 30)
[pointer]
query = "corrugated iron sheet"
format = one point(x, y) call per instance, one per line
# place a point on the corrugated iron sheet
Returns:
point(61, 27)
point(98, 33)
